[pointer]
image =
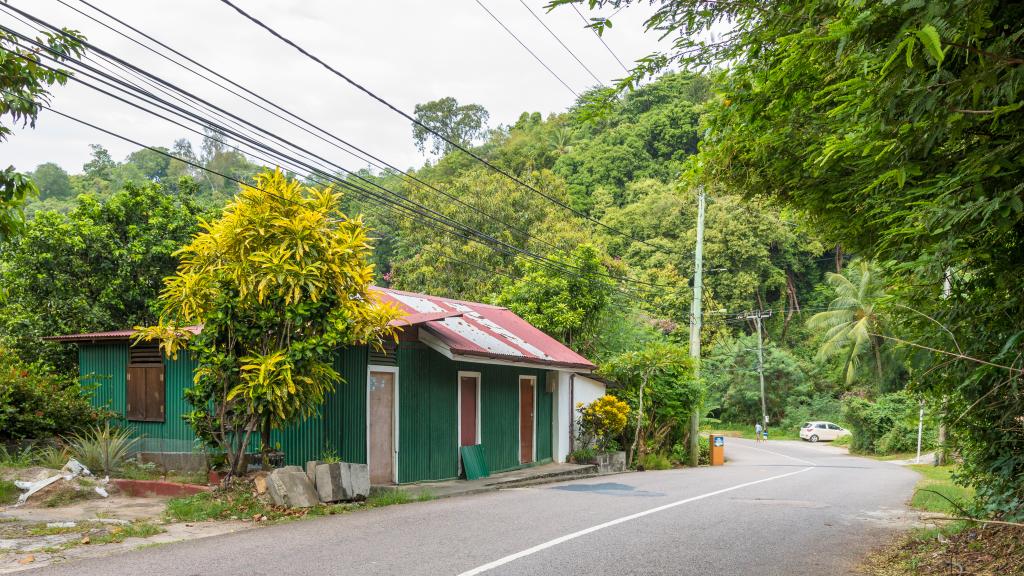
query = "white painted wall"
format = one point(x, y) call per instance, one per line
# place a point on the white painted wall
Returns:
point(585, 390)
point(561, 418)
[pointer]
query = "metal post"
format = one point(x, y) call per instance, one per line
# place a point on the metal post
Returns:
point(695, 323)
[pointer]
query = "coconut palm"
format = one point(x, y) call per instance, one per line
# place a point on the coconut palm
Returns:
point(852, 323)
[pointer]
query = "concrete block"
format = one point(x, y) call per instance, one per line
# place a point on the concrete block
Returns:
point(291, 488)
point(311, 470)
point(342, 481)
point(608, 462)
point(180, 461)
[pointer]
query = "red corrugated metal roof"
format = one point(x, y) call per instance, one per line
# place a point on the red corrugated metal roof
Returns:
point(482, 330)
point(110, 335)
point(465, 328)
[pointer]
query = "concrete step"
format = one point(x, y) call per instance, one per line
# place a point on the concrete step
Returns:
point(557, 476)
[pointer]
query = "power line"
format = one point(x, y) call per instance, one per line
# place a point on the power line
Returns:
point(559, 40)
point(527, 48)
point(511, 250)
point(306, 127)
point(606, 47)
point(447, 140)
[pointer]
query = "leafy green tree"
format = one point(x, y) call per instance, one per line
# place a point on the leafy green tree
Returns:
point(661, 388)
point(569, 306)
point(460, 124)
point(24, 87)
point(853, 326)
point(52, 181)
point(100, 164)
point(730, 370)
point(279, 282)
point(98, 267)
point(906, 148)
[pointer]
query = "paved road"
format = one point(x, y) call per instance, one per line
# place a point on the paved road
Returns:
point(784, 508)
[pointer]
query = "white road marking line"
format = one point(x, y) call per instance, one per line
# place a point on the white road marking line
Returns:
point(610, 523)
point(777, 454)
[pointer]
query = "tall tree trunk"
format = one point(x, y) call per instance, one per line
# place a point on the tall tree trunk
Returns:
point(639, 419)
point(839, 259)
point(940, 450)
point(265, 443)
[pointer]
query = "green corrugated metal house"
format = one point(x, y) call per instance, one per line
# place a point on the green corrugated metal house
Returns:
point(463, 373)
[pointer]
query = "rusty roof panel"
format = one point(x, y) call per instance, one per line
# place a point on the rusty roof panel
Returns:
point(475, 329)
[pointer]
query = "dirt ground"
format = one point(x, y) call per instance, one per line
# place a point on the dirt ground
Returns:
point(69, 520)
point(976, 550)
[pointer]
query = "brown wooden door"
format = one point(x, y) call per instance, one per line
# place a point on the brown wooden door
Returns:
point(526, 386)
point(382, 427)
point(467, 410)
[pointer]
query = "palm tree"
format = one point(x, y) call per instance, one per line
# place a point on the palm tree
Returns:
point(852, 324)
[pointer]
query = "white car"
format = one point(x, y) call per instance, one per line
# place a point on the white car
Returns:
point(814, 431)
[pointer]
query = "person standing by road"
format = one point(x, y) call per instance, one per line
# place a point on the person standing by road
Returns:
point(757, 432)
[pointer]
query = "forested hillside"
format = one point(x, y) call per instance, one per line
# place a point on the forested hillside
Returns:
point(600, 253)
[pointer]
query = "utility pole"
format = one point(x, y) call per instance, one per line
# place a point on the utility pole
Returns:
point(757, 316)
point(695, 318)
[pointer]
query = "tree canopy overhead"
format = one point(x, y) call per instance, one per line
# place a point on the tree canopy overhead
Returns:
point(24, 85)
point(896, 128)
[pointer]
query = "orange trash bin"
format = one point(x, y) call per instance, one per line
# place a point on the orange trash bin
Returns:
point(717, 442)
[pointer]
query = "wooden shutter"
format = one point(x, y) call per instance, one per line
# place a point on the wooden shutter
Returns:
point(136, 396)
point(155, 394)
point(386, 357)
point(146, 393)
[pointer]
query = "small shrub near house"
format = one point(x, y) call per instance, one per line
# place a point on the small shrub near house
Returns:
point(36, 403)
point(602, 421)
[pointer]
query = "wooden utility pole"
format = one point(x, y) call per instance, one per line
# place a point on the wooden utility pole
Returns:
point(695, 324)
point(757, 316)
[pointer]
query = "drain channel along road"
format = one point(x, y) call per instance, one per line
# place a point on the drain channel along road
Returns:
point(784, 508)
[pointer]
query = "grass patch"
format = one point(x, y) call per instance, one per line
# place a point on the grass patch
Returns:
point(935, 490)
point(238, 502)
point(64, 496)
point(8, 492)
point(388, 497)
point(133, 530)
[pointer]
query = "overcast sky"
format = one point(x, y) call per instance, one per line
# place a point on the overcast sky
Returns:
point(407, 51)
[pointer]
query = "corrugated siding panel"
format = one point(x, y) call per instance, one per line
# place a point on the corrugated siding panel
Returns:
point(301, 442)
point(173, 434)
point(428, 426)
point(106, 363)
point(346, 420)
point(499, 414)
point(545, 408)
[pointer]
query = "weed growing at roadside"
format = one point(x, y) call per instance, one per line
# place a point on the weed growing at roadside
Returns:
point(8, 492)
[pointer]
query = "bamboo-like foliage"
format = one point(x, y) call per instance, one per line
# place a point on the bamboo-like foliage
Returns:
point(278, 282)
point(852, 321)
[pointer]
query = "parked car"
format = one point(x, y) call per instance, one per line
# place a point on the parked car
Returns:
point(814, 431)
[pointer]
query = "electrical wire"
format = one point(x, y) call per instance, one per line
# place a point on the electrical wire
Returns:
point(505, 248)
point(449, 141)
point(559, 40)
point(527, 48)
point(307, 126)
point(606, 47)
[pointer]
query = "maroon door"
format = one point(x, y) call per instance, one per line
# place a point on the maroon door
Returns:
point(526, 420)
point(467, 411)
